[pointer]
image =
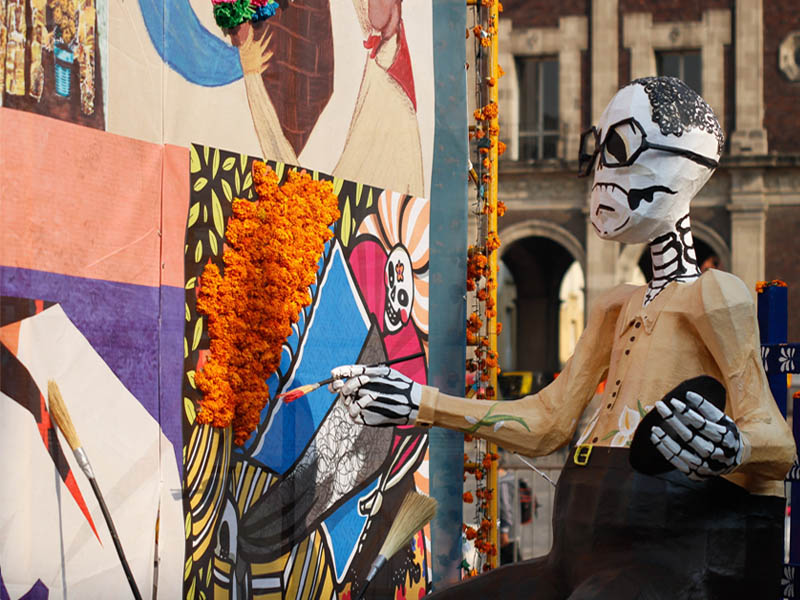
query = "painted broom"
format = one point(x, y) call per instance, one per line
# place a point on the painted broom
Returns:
point(60, 415)
point(415, 512)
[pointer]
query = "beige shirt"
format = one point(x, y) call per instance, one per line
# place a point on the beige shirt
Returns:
point(707, 327)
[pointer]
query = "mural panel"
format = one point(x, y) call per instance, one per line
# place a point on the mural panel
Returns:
point(309, 487)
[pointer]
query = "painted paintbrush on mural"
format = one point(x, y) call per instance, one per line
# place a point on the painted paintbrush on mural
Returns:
point(296, 393)
point(60, 415)
point(414, 513)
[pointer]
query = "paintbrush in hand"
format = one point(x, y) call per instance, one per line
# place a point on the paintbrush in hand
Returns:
point(58, 410)
point(301, 391)
point(415, 512)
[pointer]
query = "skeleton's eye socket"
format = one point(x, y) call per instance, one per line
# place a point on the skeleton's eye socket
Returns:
point(402, 297)
point(621, 143)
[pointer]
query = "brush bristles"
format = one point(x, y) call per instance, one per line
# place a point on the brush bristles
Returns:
point(415, 512)
point(58, 410)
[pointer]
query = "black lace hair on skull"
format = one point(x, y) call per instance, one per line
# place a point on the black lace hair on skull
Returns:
point(675, 108)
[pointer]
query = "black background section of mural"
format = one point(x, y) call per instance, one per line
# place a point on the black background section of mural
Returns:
point(50, 103)
point(15, 309)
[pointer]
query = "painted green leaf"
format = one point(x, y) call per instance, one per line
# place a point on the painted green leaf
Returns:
point(205, 214)
point(279, 168)
point(216, 209)
point(250, 194)
point(610, 434)
point(248, 181)
point(345, 234)
point(187, 524)
point(215, 164)
point(338, 182)
point(369, 198)
point(212, 241)
point(205, 153)
point(191, 592)
point(186, 307)
point(188, 569)
point(228, 163)
point(353, 226)
point(198, 251)
point(642, 412)
point(191, 413)
point(185, 348)
point(194, 159)
point(190, 377)
point(199, 184)
point(198, 333)
point(359, 189)
point(190, 283)
point(315, 176)
point(238, 182)
point(243, 161)
point(194, 212)
point(226, 190)
point(208, 581)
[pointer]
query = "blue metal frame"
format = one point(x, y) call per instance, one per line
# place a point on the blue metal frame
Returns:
point(779, 359)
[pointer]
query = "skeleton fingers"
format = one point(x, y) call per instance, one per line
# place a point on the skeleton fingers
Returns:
point(377, 396)
point(698, 438)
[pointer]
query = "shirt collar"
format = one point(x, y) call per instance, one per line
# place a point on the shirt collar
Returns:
point(647, 315)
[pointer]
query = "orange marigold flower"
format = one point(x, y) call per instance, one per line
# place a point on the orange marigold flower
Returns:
point(501, 208)
point(480, 133)
point(478, 114)
point(490, 110)
point(487, 164)
point(470, 533)
point(474, 322)
point(468, 497)
point(500, 70)
point(486, 41)
point(271, 256)
point(498, 328)
point(492, 241)
point(501, 148)
point(477, 30)
point(491, 81)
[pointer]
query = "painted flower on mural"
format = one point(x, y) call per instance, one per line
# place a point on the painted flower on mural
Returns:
point(274, 246)
point(786, 360)
point(764, 356)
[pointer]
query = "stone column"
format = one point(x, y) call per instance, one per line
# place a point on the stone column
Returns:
point(601, 256)
point(605, 54)
point(748, 210)
point(573, 36)
point(750, 136)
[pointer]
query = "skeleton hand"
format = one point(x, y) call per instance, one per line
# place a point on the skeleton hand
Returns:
point(378, 396)
point(698, 438)
point(254, 53)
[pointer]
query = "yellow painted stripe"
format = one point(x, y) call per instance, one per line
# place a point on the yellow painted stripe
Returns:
point(208, 476)
point(273, 567)
point(248, 479)
point(203, 431)
point(293, 581)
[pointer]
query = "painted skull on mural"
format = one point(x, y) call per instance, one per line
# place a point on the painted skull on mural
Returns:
point(655, 146)
point(398, 280)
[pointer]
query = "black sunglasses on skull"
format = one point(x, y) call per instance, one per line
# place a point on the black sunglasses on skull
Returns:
point(623, 144)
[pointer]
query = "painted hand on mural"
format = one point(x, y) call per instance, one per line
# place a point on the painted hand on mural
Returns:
point(697, 438)
point(377, 396)
point(254, 51)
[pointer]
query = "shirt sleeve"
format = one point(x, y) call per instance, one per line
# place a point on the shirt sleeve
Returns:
point(540, 423)
point(725, 318)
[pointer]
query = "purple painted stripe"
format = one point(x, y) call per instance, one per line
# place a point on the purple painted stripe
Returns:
point(137, 330)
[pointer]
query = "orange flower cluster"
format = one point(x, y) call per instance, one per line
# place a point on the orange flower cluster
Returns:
point(468, 498)
point(273, 247)
point(762, 285)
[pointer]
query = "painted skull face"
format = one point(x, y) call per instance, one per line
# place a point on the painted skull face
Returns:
point(655, 146)
point(398, 280)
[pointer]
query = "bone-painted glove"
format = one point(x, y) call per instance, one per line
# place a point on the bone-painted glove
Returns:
point(378, 396)
point(698, 438)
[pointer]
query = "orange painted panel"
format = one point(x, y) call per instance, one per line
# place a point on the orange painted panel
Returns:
point(78, 201)
point(174, 211)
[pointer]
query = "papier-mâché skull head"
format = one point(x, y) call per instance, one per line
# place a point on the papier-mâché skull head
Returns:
point(399, 284)
point(655, 146)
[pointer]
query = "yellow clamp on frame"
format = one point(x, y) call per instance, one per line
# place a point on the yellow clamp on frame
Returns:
point(582, 453)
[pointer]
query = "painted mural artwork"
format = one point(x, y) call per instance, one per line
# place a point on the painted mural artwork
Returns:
point(119, 113)
point(300, 510)
point(53, 58)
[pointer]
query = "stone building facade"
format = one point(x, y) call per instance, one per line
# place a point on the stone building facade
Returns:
point(564, 61)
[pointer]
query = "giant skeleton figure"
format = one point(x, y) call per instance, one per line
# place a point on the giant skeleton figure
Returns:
point(707, 521)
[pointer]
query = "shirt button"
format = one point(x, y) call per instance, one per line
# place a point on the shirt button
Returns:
point(633, 339)
point(637, 325)
point(609, 405)
point(618, 382)
point(627, 352)
point(594, 440)
point(614, 395)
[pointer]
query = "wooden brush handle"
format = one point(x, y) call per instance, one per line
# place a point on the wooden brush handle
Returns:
point(60, 414)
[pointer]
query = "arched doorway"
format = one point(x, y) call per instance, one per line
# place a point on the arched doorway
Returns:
point(540, 296)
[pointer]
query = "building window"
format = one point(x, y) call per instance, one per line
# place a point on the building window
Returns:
point(685, 65)
point(538, 107)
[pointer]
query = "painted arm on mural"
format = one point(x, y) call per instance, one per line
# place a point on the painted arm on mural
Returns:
point(534, 425)
point(255, 56)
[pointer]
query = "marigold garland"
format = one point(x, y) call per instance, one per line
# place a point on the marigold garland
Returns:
point(273, 248)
